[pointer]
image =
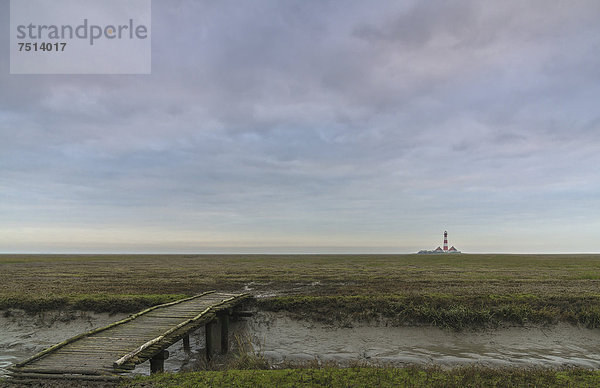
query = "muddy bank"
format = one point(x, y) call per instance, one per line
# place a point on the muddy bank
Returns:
point(278, 337)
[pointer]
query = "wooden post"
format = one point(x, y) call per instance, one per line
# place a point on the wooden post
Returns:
point(186, 343)
point(224, 319)
point(208, 329)
point(157, 362)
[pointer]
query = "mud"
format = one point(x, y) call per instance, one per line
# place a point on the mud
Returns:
point(279, 338)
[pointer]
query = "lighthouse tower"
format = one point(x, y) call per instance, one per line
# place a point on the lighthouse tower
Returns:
point(452, 249)
point(445, 242)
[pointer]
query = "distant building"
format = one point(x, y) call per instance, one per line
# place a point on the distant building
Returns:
point(440, 250)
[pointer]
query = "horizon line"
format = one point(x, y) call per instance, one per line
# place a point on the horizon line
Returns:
point(290, 253)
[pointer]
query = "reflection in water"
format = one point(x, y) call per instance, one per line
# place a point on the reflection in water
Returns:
point(7, 360)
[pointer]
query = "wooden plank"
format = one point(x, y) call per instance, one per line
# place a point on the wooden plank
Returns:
point(94, 351)
point(126, 357)
point(65, 376)
point(62, 371)
point(61, 344)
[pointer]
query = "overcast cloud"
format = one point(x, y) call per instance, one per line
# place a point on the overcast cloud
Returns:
point(316, 126)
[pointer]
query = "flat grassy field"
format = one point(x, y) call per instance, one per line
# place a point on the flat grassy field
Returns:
point(446, 290)
point(375, 377)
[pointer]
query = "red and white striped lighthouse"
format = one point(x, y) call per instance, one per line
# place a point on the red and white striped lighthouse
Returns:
point(445, 241)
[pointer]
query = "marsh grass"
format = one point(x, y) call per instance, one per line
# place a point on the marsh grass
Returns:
point(456, 312)
point(242, 355)
point(301, 274)
point(376, 377)
point(444, 290)
point(85, 302)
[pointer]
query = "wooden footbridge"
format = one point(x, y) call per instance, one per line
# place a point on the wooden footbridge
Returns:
point(105, 353)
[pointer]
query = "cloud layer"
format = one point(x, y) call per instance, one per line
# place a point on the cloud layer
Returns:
point(316, 126)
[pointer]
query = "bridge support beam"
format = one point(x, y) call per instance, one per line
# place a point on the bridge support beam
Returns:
point(224, 320)
point(186, 343)
point(208, 336)
point(217, 335)
point(157, 362)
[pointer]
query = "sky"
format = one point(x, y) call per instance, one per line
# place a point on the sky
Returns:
point(316, 126)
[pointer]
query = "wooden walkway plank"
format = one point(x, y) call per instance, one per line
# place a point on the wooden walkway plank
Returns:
point(120, 346)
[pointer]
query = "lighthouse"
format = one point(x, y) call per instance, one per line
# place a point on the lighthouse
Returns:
point(445, 241)
point(440, 250)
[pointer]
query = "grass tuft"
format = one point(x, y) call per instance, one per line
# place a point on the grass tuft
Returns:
point(96, 302)
point(456, 312)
